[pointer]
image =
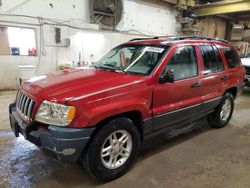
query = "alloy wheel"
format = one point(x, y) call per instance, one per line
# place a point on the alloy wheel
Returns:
point(116, 149)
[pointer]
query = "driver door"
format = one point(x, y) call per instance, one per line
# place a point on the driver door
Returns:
point(181, 100)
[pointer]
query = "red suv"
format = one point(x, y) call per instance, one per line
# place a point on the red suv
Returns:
point(139, 89)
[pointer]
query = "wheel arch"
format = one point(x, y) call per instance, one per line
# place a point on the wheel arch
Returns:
point(134, 115)
point(232, 90)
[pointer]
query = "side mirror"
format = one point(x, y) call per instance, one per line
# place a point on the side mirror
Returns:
point(167, 76)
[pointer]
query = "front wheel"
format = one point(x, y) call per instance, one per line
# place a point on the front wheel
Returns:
point(112, 150)
point(223, 113)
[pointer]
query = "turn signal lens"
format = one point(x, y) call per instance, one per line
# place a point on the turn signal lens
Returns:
point(71, 113)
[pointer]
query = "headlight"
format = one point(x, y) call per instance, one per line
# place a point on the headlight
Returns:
point(55, 114)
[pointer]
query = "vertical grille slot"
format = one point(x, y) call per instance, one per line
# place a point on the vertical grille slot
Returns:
point(18, 97)
point(30, 108)
point(21, 99)
point(24, 105)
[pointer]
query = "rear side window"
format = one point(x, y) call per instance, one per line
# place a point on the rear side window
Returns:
point(232, 57)
point(211, 59)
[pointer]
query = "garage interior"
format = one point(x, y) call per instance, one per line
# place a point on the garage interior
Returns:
point(40, 37)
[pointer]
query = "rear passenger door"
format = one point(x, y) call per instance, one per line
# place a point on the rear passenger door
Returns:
point(234, 68)
point(213, 77)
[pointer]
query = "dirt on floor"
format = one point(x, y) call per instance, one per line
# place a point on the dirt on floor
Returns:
point(204, 157)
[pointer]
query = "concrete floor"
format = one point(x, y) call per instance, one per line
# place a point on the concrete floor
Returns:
point(202, 158)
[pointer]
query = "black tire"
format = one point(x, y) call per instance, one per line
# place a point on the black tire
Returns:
point(215, 120)
point(92, 160)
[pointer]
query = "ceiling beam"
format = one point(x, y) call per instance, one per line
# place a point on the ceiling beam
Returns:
point(227, 16)
point(224, 7)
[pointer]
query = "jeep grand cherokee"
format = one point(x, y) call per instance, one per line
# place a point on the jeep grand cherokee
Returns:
point(138, 90)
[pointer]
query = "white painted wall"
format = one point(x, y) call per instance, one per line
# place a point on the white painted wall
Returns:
point(62, 9)
point(138, 18)
point(148, 18)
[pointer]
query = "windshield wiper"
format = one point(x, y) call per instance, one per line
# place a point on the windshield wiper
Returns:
point(113, 68)
point(120, 70)
point(136, 73)
point(95, 66)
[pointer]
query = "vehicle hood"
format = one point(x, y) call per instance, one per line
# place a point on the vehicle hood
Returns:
point(66, 85)
point(245, 61)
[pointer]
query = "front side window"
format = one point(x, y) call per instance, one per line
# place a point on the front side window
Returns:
point(183, 63)
point(132, 59)
point(211, 59)
point(231, 56)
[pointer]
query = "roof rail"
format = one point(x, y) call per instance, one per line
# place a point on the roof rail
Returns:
point(149, 38)
point(194, 37)
point(155, 37)
point(174, 38)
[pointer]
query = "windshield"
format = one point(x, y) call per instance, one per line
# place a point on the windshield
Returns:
point(132, 59)
point(248, 55)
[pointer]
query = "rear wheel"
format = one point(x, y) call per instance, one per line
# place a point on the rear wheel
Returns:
point(112, 150)
point(223, 113)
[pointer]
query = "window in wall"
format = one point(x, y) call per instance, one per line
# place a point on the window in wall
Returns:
point(184, 63)
point(17, 41)
point(211, 60)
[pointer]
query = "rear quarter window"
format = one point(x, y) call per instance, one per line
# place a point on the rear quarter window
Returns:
point(233, 59)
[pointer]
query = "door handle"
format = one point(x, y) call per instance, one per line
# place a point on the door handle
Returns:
point(225, 77)
point(196, 84)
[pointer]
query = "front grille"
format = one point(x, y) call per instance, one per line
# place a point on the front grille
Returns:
point(247, 70)
point(24, 105)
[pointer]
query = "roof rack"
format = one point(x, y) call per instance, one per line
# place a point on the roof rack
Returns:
point(194, 37)
point(149, 38)
point(174, 38)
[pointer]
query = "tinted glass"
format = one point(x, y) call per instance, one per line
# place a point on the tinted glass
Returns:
point(184, 63)
point(216, 50)
point(232, 57)
point(211, 59)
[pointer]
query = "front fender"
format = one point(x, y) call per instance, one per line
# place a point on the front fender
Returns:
point(91, 112)
point(107, 111)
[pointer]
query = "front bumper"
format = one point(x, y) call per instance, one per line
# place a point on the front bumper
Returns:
point(64, 144)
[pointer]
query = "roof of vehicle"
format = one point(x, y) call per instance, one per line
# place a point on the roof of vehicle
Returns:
point(168, 40)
